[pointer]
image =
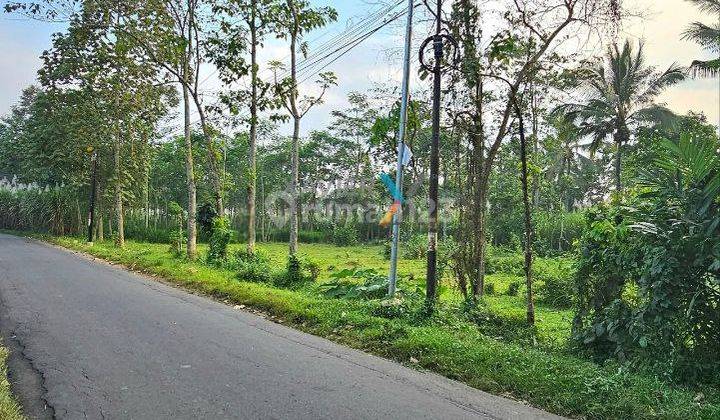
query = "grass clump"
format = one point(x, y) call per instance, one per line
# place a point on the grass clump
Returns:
point(9, 408)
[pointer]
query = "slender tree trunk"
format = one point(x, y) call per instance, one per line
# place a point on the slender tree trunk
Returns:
point(263, 236)
point(110, 224)
point(252, 152)
point(190, 181)
point(618, 168)
point(528, 221)
point(481, 185)
point(119, 218)
point(295, 181)
point(295, 171)
point(146, 194)
point(99, 225)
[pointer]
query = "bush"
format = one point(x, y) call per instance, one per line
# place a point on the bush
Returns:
point(253, 267)
point(177, 242)
point(297, 272)
point(490, 289)
point(649, 267)
point(356, 284)
point(206, 215)
point(220, 235)
point(345, 235)
point(514, 288)
point(557, 282)
point(415, 248)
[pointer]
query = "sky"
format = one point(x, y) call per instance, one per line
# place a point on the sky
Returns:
point(377, 60)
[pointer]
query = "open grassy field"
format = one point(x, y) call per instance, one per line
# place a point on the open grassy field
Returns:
point(489, 348)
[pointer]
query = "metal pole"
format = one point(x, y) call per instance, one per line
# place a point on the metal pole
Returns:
point(93, 193)
point(431, 278)
point(397, 217)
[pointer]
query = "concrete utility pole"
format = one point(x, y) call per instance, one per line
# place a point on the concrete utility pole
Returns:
point(397, 217)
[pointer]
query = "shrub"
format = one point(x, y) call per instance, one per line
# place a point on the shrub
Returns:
point(514, 288)
point(220, 235)
point(356, 284)
point(253, 267)
point(490, 289)
point(254, 271)
point(206, 215)
point(415, 248)
point(297, 271)
point(557, 282)
point(177, 242)
point(345, 235)
point(649, 267)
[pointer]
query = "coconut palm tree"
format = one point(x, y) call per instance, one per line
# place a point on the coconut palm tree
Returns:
point(708, 36)
point(620, 94)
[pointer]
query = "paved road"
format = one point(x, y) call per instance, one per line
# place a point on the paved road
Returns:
point(105, 343)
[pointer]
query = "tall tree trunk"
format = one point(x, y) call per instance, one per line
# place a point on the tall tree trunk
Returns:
point(618, 168)
point(119, 217)
point(295, 181)
point(481, 184)
point(295, 171)
point(252, 152)
point(528, 221)
point(190, 181)
point(146, 193)
point(99, 225)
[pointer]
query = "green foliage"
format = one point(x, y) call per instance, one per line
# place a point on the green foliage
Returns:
point(253, 267)
point(220, 235)
point(206, 216)
point(356, 284)
point(345, 234)
point(298, 271)
point(514, 288)
point(649, 270)
point(177, 240)
point(177, 237)
point(556, 232)
point(9, 408)
point(47, 210)
point(490, 289)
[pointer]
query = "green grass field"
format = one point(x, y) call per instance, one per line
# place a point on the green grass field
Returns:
point(491, 349)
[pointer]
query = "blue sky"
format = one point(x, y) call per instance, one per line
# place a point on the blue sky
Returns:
point(377, 60)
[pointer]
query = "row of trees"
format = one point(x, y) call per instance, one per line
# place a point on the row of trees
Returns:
point(110, 82)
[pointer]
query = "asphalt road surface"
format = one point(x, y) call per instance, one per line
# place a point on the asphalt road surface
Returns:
point(94, 341)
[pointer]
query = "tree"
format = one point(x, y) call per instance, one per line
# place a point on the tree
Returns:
point(245, 26)
point(295, 19)
point(167, 32)
point(621, 92)
point(513, 65)
point(708, 37)
point(95, 62)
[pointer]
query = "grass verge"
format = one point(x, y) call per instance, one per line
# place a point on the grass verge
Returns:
point(9, 408)
point(555, 381)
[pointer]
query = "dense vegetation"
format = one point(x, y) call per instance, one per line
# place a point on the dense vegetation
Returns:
point(579, 252)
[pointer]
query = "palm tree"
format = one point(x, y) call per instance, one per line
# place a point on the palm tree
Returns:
point(621, 90)
point(567, 164)
point(708, 37)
